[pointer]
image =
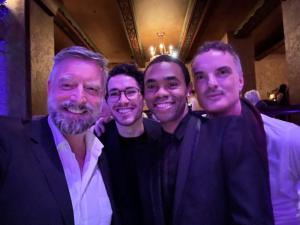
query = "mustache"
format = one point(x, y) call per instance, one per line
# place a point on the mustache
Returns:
point(77, 106)
point(213, 92)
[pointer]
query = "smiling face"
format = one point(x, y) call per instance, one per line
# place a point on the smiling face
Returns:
point(166, 93)
point(75, 94)
point(125, 111)
point(218, 83)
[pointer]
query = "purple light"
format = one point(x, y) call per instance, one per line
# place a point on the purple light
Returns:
point(4, 105)
point(3, 11)
point(4, 98)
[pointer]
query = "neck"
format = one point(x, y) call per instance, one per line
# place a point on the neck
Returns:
point(77, 144)
point(134, 130)
point(233, 111)
point(171, 126)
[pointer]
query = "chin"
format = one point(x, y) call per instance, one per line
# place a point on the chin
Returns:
point(126, 122)
point(214, 109)
point(164, 119)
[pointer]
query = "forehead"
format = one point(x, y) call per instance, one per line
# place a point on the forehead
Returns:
point(78, 69)
point(212, 58)
point(164, 71)
point(121, 81)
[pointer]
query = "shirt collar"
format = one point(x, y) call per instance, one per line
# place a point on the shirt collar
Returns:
point(59, 139)
point(93, 144)
point(180, 130)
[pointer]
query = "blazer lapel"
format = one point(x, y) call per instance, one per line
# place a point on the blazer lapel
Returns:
point(109, 154)
point(104, 167)
point(45, 151)
point(156, 192)
point(186, 148)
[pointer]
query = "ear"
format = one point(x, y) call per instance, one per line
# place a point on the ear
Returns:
point(241, 82)
point(49, 86)
point(189, 90)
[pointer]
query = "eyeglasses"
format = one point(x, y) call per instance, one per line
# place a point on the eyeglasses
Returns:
point(131, 93)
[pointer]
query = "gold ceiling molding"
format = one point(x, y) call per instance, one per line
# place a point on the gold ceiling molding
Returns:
point(70, 27)
point(126, 9)
point(50, 6)
point(193, 20)
point(66, 23)
point(260, 11)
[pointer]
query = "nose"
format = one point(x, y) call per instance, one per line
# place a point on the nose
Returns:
point(212, 81)
point(123, 97)
point(79, 95)
point(161, 92)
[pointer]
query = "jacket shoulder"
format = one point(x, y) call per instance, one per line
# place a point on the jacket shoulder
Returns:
point(151, 124)
point(10, 124)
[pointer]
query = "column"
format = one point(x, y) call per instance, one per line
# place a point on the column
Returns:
point(26, 55)
point(291, 23)
point(14, 93)
point(245, 50)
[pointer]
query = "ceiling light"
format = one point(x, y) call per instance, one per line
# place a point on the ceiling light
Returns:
point(161, 49)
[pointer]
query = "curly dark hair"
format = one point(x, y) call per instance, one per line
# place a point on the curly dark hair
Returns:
point(128, 70)
point(222, 47)
point(167, 58)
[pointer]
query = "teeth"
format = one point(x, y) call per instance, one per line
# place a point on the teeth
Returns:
point(163, 105)
point(124, 110)
point(77, 111)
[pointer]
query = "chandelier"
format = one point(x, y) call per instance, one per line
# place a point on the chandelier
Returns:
point(161, 49)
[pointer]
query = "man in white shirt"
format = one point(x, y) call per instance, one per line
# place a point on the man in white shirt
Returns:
point(51, 168)
point(218, 82)
point(284, 163)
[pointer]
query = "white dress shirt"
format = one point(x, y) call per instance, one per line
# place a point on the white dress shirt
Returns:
point(91, 205)
point(284, 164)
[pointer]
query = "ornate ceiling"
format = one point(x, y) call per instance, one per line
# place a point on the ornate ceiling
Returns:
point(123, 30)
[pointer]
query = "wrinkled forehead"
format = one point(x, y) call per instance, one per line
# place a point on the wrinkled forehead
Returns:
point(121, 81)
point(71, 66)
point(212, 59)
point(163, 71)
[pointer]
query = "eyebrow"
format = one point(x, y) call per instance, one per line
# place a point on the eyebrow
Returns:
point(117, 89)
point(198, 72)
point(65, 78)
point(93, 85)
point(171, 78)
point(168, 78)
point(150, 81)
point(224, 67)
point(113, 89)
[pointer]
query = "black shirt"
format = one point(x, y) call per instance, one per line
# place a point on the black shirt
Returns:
point(171, 144)
point(129, 161)
point(124, 178)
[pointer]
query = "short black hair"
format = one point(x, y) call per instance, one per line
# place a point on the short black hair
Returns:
point(222, 47)
point(167, 58)
point(128, 70)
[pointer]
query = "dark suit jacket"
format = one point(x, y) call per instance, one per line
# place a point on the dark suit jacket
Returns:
point(221, 179)
point(252, 119)
point(127, 160)
point(33, 188)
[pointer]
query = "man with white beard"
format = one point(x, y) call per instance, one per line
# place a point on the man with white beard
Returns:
point(51, 168)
